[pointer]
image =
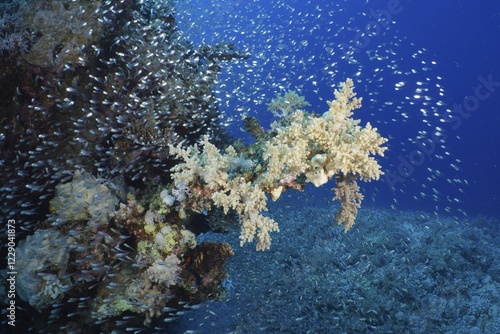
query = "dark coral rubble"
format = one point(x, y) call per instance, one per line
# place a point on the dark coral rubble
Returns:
point(103, 94)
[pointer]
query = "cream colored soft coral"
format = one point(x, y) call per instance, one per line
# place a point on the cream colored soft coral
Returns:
point(216, 174)
point(301, 147)
point(323, 147)
point(347, 193)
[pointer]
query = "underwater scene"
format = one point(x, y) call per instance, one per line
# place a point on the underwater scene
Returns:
point(249, 166)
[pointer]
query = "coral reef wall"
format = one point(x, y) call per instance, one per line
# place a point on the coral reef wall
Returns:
point(93, 92)
point(106, 92)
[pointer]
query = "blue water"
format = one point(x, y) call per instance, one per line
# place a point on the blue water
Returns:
point(446, 47)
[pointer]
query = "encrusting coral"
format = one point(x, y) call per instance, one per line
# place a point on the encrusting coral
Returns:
point(300, 148)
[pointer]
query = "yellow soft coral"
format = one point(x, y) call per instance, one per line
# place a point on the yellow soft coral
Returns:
point(301, 147)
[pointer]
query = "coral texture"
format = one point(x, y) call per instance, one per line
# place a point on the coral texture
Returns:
point(42, 260)
point(283, 105)
point(84, 196)
point(166, 271)
point(62, 30)
point(223, 186)
point(301, 148)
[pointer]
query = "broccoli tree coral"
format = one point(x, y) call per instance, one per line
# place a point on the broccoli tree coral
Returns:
point(299, 148)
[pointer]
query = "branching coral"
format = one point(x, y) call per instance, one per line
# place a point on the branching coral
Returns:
point(283, 105)
point(347, 193)
point(218, 178)
point(301, 148)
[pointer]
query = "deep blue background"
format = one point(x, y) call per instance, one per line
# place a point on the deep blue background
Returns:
point(441, 47)
point(463, 36)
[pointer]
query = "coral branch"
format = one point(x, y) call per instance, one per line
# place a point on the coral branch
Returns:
point(301, 148)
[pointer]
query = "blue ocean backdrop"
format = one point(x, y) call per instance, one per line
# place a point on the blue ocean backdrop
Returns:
point(413, 63)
